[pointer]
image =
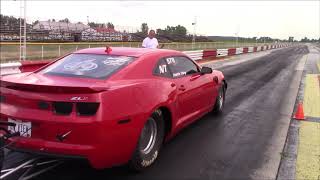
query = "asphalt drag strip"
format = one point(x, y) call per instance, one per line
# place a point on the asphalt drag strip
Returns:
point(301, 155)
point(245, 142)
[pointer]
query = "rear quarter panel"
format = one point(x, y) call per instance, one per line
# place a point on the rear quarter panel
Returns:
point(134, 101)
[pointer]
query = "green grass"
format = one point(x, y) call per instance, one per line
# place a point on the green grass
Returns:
point(36, 51)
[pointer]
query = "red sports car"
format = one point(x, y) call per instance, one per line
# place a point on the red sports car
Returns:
point(111, 107)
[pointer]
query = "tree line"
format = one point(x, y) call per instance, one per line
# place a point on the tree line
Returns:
point(305, 39)
point(169, 30)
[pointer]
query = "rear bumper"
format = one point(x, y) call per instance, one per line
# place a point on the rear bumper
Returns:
point(103, 145)
point(101, 138)
point(55, 149)
point(39, 145)
point(99, 157)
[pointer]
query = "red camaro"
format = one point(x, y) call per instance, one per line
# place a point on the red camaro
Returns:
point(110, 107)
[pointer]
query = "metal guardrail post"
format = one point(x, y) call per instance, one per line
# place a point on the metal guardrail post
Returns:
point(59, 50)
point(1, 54)
point(42, 52)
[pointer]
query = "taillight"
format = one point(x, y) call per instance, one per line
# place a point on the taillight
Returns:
point(62, 108)
point(43, 105)
point(87, 109)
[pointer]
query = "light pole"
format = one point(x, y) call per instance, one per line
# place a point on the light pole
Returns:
point(23, 45)
point(194, 32)
point(237, 35)
point(237, 39)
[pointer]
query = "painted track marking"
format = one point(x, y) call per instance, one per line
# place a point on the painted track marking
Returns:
point(311, 102)
point(308, 160)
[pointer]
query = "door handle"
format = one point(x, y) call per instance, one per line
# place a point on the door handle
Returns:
point(182, 88)
point(195, 77)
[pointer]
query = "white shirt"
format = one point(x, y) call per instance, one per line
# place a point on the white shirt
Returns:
point(150, 43)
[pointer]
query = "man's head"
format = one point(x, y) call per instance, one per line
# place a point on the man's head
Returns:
point(151, 34)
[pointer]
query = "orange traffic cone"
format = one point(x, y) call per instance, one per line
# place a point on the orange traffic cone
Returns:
point(299, 113)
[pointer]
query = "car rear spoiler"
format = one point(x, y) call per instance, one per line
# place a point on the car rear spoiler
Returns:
point(49, 89)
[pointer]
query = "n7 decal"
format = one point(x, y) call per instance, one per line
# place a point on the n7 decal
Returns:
point(162, 68)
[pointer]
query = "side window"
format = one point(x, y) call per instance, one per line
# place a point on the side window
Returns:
point(162, 69)
point(181, 66)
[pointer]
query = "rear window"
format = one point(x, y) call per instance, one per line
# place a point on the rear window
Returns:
point(88, 65)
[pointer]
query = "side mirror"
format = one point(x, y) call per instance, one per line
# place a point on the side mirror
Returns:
point(206, 70)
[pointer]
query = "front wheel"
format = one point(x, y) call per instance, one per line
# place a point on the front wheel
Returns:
point(149, 144)
point(219, 104)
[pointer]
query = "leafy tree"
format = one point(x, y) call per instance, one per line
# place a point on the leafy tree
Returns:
point(110, 25)
point(96, 25)
point(160, 31)
point(180, 30)
point(144, 28)
point(305, 39)
point(35, 22)
point(10, 22)
point(92, 24)
point(66, 20)
point(173, 30)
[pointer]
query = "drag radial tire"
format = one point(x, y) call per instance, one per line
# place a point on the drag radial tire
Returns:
point(1, 158)
point(219, 104)
point(149, 144)
point(1, 152)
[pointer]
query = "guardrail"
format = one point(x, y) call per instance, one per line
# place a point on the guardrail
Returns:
point(37, 51)
point(28, 66)
point(10, 68)
point(23, 66)
point(195, 55)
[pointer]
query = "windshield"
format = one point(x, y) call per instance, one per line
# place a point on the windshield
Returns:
point(88, 65)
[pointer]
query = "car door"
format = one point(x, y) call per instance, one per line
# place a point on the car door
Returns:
point(194, 90)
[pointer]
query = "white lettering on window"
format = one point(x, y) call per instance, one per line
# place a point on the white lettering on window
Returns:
point(163, 69)
point(170, 60)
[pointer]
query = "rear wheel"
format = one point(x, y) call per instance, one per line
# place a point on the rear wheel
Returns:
point(149, 143)
point(219, 104)
point(1, 154)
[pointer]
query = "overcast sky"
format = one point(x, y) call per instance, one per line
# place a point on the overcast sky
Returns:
point(277, 19)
